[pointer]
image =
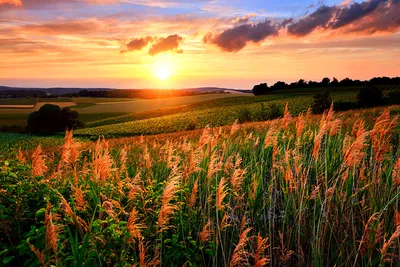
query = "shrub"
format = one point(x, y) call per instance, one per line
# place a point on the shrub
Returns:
point(244, 115)
point(321, 102)
point(192, 125)
point(51, 118)
point(369, 96)
point(275, 111)
point(261, 89)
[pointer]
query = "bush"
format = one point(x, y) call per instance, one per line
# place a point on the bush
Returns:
point(244, 115)
point(275, 111)
point(267, 112)
point(192, 125)
point(369, 96)
point(51, 118)
point(321, 102)
point(261, 89)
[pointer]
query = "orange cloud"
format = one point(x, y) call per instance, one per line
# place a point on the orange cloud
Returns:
point(158, 45)
point(11, 2)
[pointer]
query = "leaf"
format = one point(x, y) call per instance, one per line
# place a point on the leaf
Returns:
point(40, 213)
point(210, 252)
point(8, 259)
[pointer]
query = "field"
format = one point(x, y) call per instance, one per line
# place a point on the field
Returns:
point(309, 190)
point(92, 109)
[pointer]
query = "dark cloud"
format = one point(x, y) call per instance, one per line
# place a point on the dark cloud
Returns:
point(355, 11)
point(137, 44)
point(318, 18)
point(368, 16)
point(170, 43)
point(236, 38)
point(385, 19)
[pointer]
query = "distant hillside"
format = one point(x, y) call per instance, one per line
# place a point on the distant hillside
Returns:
point(65, 90)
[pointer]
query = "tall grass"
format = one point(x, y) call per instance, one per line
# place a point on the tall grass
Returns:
point(307, 191)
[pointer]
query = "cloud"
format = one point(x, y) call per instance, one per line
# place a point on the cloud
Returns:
point(158, 45)
point(63, 27)
point(11, 2)
point(318, 18)
point(244, 19)
point(236, 38)
point(170, 43)
point(137, 44)
point(360, 18)
point(368, 17)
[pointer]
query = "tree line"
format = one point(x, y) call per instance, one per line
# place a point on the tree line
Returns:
point(263, 88)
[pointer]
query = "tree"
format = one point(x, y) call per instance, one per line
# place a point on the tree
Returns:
point(334, 82)
point(369, 96)
point(261, 89)
point(321, 102)
point(279, 86)
point(301, 83)
point(325, 81)
point(51, 118)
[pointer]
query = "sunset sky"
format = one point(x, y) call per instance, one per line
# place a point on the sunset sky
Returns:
point(186, 43)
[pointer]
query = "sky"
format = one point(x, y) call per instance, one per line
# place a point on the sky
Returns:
point(187, 43)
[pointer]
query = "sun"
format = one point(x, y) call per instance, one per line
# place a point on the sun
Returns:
point(162, 70)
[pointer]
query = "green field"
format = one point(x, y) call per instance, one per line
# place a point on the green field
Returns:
point(92, 109)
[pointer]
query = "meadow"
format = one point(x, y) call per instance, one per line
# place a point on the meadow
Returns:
point(94, 109)
point(311, 190)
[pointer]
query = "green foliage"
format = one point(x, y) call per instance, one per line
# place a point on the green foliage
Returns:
point(51, 118)
point(244, 115)
point(370, 96)
point(21, 200)
point(321, 102)
point(282, 183)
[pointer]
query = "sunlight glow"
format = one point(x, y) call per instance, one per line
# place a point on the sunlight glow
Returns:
point(162, 70)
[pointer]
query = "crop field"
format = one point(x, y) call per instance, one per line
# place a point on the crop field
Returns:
point(307, 190)
point(215, 113)
point(140, 105)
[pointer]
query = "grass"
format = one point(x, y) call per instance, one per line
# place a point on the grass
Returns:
point(306, 191)
point(17, 101)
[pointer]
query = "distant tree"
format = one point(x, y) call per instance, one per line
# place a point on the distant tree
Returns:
point(369, 96)
point(279, 86)
point(51, 118)
point(346, 82)
point(301, 83)
point(313, 84)
point(334, 82)
point(261, 89)
point(321, 102)
point(325, 81)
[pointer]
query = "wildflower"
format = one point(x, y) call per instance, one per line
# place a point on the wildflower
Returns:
point(221, 193)
point(21, 156)
point(193, 196)
point(286, 117)
point(51, 231)
point(259, 258)
point(39, 254)
point(206, 233)
point(167, 207)
point(38, 164)
point(354, 153)
point(240, 255)
point(133, 225)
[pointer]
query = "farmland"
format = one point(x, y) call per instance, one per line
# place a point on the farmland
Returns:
point(299, 190)
point(95, 108)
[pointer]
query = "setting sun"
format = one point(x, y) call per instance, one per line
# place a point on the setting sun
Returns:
point(162, 70)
